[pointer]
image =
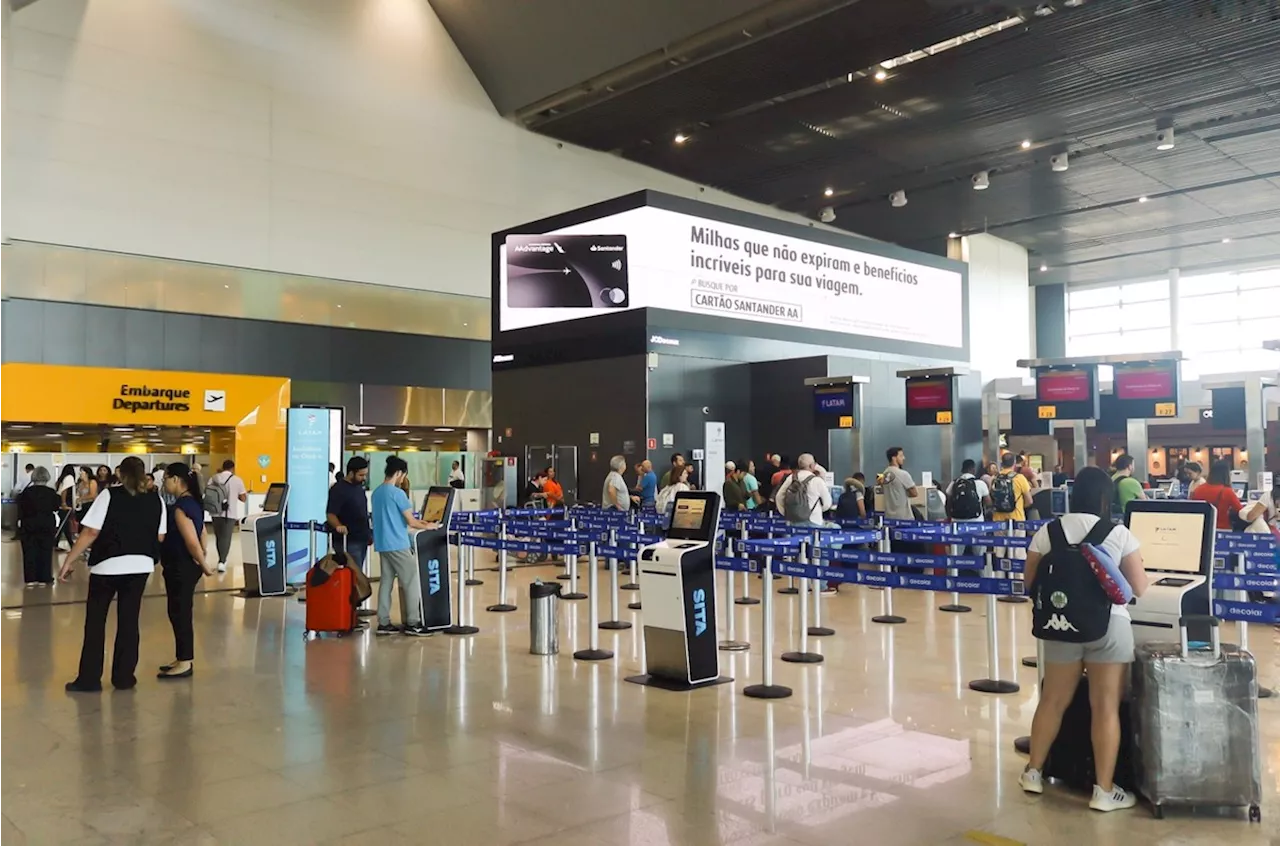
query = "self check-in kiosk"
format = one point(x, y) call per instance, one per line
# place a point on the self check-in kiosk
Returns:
point(431, 547)
point(1176, 538)
point(677, 581)
point(262, 545)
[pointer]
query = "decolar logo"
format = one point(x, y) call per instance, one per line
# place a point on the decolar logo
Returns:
point(433, 576)
point(699, 612)
point(269, 552)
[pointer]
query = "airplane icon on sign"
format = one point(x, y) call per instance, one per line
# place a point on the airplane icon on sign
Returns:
point(215, 400)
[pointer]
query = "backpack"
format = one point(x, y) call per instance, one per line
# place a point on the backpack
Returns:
point(964, 502)
point(216, 497)
point(797, 505)
point(1004, 498)
point(1068, 603)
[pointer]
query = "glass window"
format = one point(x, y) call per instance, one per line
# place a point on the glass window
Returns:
point(1092, 297)
point(1223, 318)
point(1145, 292)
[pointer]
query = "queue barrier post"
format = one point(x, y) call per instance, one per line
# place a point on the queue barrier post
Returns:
point(888, 617)
point(1012, 598)
point(803, 655)
point(614, 623)
point(746, 598)
point(472, 581)
point(570, 567)
point(594, 652)
point(731, 642)
point(311, 546)
point(993, 683)
point(955, 606)
point(572, 561)
point(460, 625)
point(1242, 627)
point(817, 629)
point(767, 689)
point(502, 605)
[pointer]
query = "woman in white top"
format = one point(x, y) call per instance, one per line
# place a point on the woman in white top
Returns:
point(124, 526)
point(1107, 660)
point(667, 496)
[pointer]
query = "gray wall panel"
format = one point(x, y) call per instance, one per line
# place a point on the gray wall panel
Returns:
point(64, 331)
point(182, 340)
point(23, 336)
point(144, 341)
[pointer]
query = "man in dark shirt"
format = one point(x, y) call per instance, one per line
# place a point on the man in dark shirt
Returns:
point(348, 511)
point(734, 491)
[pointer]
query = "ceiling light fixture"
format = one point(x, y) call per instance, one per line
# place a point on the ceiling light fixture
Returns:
point(1164, 139)
point(1226, 240)
point(1026, 143)
point(1143, 199)
point(828, 192)
point(443, 429)
point(953, 234)
point(898, 199)
point(1043, 268)
point(681, 138)
point(399, 431)
point(1044, 10)
point(827, 214)
point(881, 75)
point(981, 180)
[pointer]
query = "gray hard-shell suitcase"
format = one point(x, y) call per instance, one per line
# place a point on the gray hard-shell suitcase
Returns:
point(1196, 724)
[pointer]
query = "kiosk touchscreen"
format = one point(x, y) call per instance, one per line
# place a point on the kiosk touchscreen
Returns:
point(677, 581)
point(1176, 539)
point(432, 550)
point(262, 546)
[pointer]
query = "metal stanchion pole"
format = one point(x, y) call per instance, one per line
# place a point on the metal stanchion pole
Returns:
point(954, 606)
point(594, 653)
point(746, 598)
point(311, 544)
point(572, 560)
point(502, 604)
point(993, 683)
point(570, 568)
point(803, 655)
point(888, 616)
point(1012, 598)
point(817, 629)
point(613, 622)
point(767, 689)
point(1242, 627)
point(460, 626)
point(472, 581)
point(731, 642)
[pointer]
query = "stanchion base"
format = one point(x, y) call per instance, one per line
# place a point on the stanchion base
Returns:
point(1013, 600)
point(564, 577)
point(1030, 662)
point(802, 658)
point(473, 582)
point(678, 685)
point(766, 691)
point(789, 591)
point(501, 606)
point(994, 686)
point(366, 612)
point(734, 646)
point(634, 606)
point(578, 595)
point(746, 600)
point(1265, 692)
point(955, 609)
point(614, 625)
point(889, 618)
point(593, 655)
point(777, 578)
point(821, 631)
point(1022, 744)
point(629, 586)
point(302, 597)
point(460, 630)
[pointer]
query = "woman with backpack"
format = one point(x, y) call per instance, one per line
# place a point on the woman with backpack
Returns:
point(183, 559)
point(1082, 629)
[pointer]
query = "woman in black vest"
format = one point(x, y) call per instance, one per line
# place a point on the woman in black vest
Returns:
point(182, 556)
point(124, 527)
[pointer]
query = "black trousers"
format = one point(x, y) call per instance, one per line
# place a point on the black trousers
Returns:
point(180, 580)
point(127, 591)
point(223, 531)
point(37, 556)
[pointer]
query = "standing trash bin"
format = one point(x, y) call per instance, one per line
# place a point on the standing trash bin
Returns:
point(544, 618)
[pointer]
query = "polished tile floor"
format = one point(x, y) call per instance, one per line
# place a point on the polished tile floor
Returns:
point(472, 741)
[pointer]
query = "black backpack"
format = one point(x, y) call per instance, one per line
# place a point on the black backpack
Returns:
point(1003, 499)
point(1067, 602)
point(964, 502)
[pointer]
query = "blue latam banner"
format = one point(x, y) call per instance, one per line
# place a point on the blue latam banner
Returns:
point(308, 476)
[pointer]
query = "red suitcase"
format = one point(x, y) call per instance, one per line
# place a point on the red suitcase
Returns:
point(329, 607)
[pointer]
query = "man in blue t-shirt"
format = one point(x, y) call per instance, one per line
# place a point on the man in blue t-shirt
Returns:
point(648, 484)
point(392, 520)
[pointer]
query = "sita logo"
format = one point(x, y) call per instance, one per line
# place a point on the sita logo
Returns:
point(433, 576)
point(699, 611)
point(269, 552)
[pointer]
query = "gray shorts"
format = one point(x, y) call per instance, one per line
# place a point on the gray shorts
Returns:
point(1115, 647)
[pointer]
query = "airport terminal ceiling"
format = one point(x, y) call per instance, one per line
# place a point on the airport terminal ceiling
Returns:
point(925, 96)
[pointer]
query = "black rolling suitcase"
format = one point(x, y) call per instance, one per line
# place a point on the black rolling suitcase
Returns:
point(1070, 760)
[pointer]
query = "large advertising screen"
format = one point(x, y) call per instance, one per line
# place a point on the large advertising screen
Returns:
point(655, 258)
point(1154, 382)
point(929, 400)
point(1075, 385)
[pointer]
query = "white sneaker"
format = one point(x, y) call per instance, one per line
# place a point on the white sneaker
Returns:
point(222, 566)
point(1115, 799)
point(1031, 781)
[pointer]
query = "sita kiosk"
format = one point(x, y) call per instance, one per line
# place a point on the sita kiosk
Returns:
point(1176, 538)
point(262, 546)
point(432, 550)
point(677, 581)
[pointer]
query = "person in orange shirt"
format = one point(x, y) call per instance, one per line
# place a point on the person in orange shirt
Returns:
point(552, 489)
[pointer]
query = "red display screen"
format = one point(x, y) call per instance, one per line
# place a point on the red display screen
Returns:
point(1152, 383)
point(930, 395)
point(1055, 386)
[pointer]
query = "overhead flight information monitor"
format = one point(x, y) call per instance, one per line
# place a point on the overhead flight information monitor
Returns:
point(1067, 393)
point(930, 400)
point(1147, 389)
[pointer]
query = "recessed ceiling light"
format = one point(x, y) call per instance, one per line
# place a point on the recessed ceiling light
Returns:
point(953, 234)
point(439, 441)
point(399, 431)
point(123, 429)
point(1043, 268)
point(382, 440)
point(75, 433)
point(226, 286)
point(1026, 143)
point(443, 429)
point(849, 78)
point(681, 138)
point(53, 435)
point(1226, 240)
point(881, 75)
point(1143, 199)
point(339, 305)
point(20, 426)
point(828, 192)
point(415, 439)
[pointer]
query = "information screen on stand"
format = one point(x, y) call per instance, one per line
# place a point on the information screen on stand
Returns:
point(833, 406)
point(930, 401)
point(1067, 393)
point(1147, 389)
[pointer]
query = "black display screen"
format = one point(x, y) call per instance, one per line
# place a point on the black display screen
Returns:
point(695, 516)
point(1025, 418)
point(1228, 408)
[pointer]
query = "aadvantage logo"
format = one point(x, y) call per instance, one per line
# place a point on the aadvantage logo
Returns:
point(433, 576)
point(1059, 623)
point(699, 612)
point(269, 552)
